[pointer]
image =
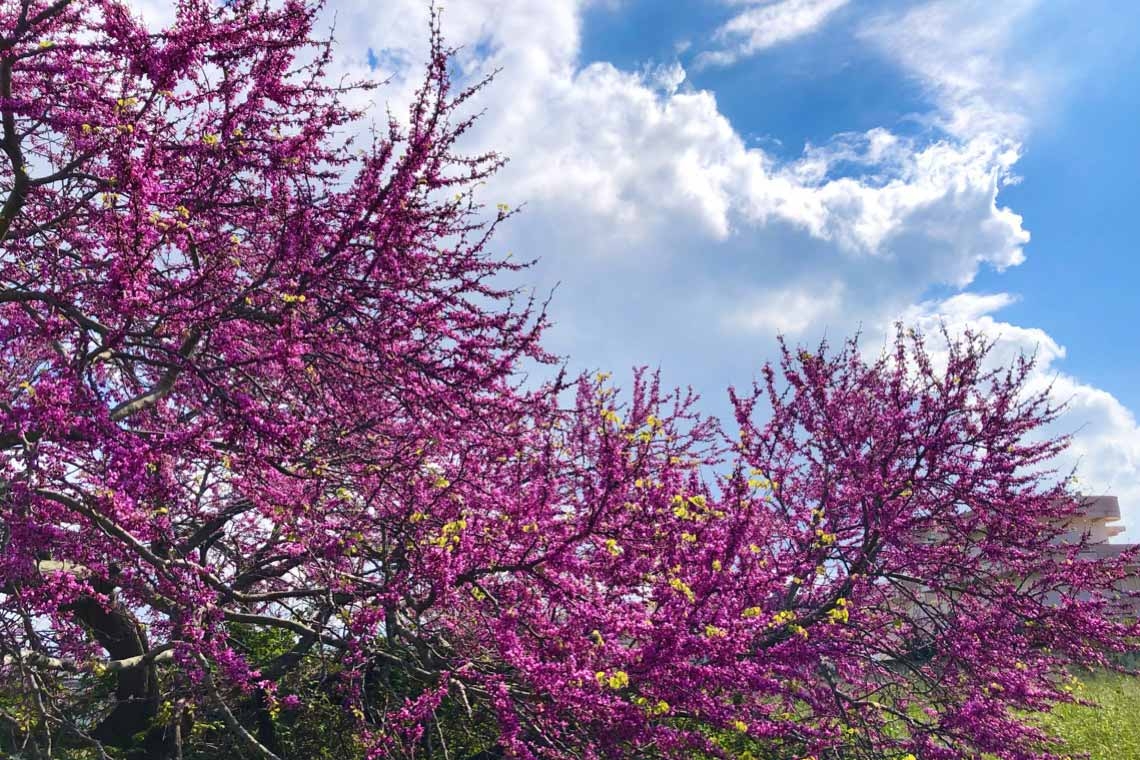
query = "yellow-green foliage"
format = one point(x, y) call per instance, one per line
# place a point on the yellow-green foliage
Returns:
point(1109, 731)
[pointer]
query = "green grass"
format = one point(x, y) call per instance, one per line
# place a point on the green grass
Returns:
point(1109, 731)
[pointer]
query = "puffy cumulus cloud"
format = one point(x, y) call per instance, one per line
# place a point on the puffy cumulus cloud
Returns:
point(764, 24)
point(611, 143)
point(610, 148)
point(975, 312)
point(1105, 450)
point(881, 195)
point(1106, 446)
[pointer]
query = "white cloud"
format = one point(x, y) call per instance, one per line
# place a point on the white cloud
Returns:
point(612, 146)
point(1105, 449)
point(787, 311)
point(965, 308)
point(766, 25)
point(974, 311)
point(937, 202)
point(667, 78)
point(960, 51)
point(627, 171)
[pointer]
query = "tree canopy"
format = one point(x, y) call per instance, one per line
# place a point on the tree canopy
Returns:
point(276, 484)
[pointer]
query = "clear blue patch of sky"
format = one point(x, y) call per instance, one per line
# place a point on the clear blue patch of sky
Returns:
point(810, 90)
point(1080, 196)
point(635, 31)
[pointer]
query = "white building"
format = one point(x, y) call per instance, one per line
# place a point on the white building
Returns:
point(1101, 523)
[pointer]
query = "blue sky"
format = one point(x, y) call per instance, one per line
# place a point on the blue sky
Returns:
point(702, 175)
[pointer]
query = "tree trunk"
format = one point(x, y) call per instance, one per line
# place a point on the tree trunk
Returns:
point(136, 689)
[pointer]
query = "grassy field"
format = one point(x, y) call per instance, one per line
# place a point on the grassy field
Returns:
point(1110, 731)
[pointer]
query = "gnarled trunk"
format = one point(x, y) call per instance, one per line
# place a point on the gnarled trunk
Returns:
point(136, 689)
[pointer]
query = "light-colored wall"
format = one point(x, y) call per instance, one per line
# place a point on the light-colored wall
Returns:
point(1100, 520)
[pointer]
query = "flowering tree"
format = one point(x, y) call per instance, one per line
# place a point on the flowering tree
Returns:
point(273, 483)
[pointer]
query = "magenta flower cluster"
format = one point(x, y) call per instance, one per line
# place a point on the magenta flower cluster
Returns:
point(259, 371)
